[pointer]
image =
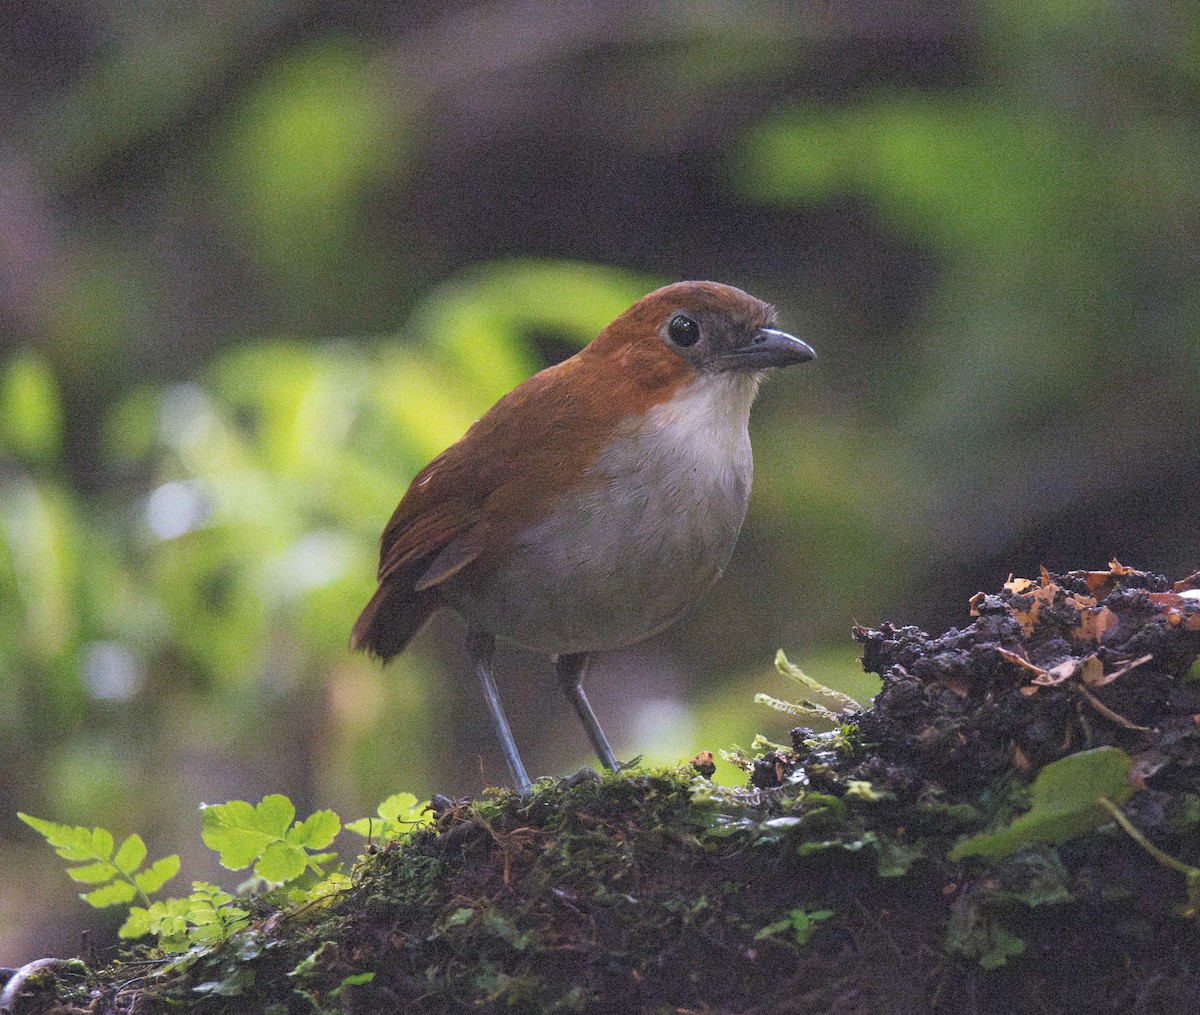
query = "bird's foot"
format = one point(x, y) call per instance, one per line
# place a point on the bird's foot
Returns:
point(585, 774)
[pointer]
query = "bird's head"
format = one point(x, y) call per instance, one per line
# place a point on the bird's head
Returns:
point(689, 329)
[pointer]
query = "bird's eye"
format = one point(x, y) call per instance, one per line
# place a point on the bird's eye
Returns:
point(683, 330)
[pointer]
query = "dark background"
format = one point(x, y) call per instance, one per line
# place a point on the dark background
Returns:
point(260, 261)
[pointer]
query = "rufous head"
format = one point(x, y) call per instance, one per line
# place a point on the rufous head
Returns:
point(701, 327)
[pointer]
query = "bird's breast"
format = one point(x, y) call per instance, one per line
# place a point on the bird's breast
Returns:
point(648, 530)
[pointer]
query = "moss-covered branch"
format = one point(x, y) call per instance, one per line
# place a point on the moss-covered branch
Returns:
point(825, 885)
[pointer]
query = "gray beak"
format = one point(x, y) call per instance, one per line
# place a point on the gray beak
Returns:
point(768, 348)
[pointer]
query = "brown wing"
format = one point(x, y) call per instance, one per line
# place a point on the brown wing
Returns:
point(420, 530)
point(504, 474)
point(456, 507)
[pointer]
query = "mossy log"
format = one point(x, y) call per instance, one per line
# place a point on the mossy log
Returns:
point(826, 885)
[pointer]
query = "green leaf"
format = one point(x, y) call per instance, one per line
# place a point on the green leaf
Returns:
point(354, 980)
point(52, 831)
point(131, 854)
point(404, 807)
point(232, 830)
point(804, 923)
point(316, 831)
point(399, 813)
point(137, 923)
point(274, 815)
point(1065, 803)
point(115, 894)
point(281, 861)
point(460, 917)
point(157, 874)
point(102, 843)
point(771, 929)
point(1001, 945)
point(72, 842)
point(800, 922)
point(368, 828)
point(93, 873)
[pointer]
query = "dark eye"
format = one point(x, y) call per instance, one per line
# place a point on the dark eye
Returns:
point(683, 330)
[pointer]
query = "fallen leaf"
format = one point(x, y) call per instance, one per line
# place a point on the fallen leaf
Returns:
point(1192, 581)
point(1017, 585)
point(1092, 671)
point(1026, 617)
point(1094, 623)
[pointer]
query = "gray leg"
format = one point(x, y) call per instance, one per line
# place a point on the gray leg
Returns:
point(570, 669)
point(482, 648)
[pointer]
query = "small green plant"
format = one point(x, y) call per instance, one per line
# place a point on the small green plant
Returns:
point(1067, 800)
point(800, 922)
point(399, 815)
point(844, 705)
point(291, 861)
point(266, 836)
point(206, 917)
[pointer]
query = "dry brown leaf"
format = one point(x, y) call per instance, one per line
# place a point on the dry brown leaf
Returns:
point(1097, 580)
point(974, 602)
point(1094, 623)
point(1026, 616)
point(1192, 581)
point(1018, 585)
point(1091, 671)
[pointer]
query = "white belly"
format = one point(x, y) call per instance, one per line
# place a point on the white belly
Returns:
point(624, 559)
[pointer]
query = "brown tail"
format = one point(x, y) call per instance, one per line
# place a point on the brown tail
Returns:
point(391, 619)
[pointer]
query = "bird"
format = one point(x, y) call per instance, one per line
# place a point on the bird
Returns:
point(593, 504)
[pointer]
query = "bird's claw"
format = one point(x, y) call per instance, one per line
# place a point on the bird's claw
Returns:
point(625, 766)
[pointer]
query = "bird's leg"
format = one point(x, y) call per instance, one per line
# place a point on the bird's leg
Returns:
point(570, 669)
point(482, 647)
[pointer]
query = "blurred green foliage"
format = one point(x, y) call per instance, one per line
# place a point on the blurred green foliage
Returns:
point(236, 569)
point(194, 469)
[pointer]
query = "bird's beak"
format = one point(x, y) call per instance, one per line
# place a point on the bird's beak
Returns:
point(768, 348)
